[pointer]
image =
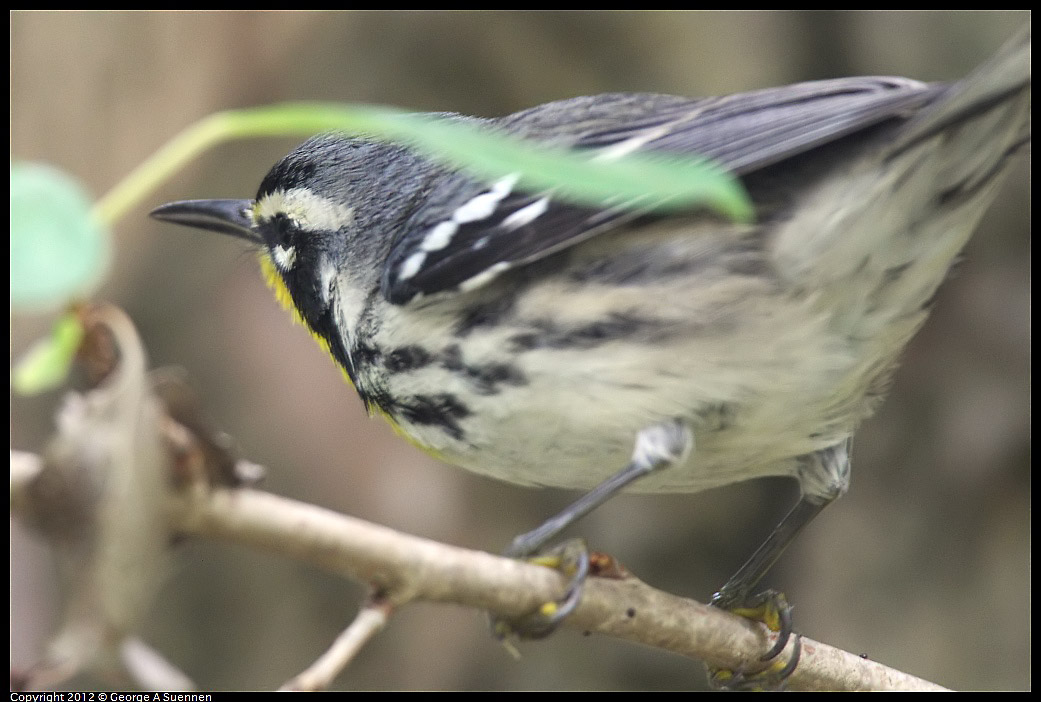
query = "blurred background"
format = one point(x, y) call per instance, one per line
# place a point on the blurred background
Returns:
point(924, 565)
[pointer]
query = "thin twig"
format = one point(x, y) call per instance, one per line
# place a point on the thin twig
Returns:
point(149, 669)
point(370, 620)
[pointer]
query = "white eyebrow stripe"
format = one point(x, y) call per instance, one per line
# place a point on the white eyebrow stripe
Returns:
point(310, 211)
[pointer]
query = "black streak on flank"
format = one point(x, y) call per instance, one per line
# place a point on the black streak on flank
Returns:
point(485, 378)
point(406, 358)
point(365, 355)
point(587, 336)
point(442, 410)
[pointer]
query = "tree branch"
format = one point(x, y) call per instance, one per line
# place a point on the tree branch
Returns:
point(406, 568)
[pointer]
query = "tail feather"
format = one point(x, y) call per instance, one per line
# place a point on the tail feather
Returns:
point(879, 242)
point(1005, 77)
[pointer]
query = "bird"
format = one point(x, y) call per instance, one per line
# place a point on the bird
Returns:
point(546, 342)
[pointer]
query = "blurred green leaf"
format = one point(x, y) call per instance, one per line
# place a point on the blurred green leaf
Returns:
point(58, 249)
point(45, 365)
point(654, 181)
point(648, 181)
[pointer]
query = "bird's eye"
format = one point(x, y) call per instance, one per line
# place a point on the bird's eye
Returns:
point(280, 236)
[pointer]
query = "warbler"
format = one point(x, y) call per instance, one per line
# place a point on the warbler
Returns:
point(549, 343)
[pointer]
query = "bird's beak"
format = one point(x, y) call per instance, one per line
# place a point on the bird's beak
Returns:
point(231, 217)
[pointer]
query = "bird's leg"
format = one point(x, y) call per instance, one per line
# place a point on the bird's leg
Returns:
point(658, 446)
point(824, 477)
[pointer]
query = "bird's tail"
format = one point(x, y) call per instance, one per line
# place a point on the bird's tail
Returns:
point(1002, 82)
point(879, 242)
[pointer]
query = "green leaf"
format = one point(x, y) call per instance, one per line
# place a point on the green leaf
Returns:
point(654, 181)
point(649, 181)
point(47, 363)
point(58, 249)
